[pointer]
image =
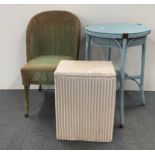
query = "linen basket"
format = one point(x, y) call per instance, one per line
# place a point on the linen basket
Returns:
point(85, 100)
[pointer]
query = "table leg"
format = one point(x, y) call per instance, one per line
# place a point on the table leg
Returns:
point(87, 47)
point(123, 52)
point(142, 74)
point(109, 54)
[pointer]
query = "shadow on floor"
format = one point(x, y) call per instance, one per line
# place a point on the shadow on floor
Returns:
point(38, 131)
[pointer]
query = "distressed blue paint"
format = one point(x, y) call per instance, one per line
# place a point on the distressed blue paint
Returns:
point(123, 53)
point(109, 54)
point(116, 30)
point(112, 35)
point(87, 47)
point(142, 73)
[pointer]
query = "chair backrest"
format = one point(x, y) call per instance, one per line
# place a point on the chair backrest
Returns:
point(53, 33)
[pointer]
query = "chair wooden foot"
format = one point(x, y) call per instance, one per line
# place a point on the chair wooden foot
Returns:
point(121, 126)
point(26, 100)
point(26, 115)
point(40, 87)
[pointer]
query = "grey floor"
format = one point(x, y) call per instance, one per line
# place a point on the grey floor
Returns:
point(38, 131)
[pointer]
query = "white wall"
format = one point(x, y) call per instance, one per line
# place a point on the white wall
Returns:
point(14, 19)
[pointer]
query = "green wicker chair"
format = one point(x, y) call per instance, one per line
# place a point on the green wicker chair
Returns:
point(51, 36)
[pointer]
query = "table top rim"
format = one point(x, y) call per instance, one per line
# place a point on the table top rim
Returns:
point(95, 29)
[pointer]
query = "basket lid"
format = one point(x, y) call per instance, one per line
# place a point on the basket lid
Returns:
point(85, 68)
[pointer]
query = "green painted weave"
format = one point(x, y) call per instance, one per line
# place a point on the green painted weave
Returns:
point(51, 36)
point(36, 69)
point(47, 61)
point(53, 33)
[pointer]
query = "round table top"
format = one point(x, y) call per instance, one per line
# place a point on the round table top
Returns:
point(112, 30)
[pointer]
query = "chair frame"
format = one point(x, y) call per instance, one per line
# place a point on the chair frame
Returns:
point(28, 32)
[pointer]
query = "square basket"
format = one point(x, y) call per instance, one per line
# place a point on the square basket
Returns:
point(85, 100)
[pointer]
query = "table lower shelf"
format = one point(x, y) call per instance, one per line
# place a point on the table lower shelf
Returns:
point(134, 78)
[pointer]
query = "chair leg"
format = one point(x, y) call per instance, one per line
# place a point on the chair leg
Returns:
point(40, 87)
point(26, 100)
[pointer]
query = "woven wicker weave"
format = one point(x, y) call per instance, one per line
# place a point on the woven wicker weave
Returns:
point(85, 100)
point(51, 36)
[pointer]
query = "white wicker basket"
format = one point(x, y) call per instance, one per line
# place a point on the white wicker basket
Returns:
point(85, 100)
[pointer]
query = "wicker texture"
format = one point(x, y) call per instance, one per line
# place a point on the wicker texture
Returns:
point(53, 33)
point(36, 69)
point(51, 36)
point(85, 103)
point(50, 33)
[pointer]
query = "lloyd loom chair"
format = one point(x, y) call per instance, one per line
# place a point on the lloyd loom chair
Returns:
point(51, 36)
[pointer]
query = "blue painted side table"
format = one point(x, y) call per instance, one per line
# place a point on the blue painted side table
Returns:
point(122, 36)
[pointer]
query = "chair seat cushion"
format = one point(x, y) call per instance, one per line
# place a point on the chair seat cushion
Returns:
point(46, 61)
point(40, 69)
